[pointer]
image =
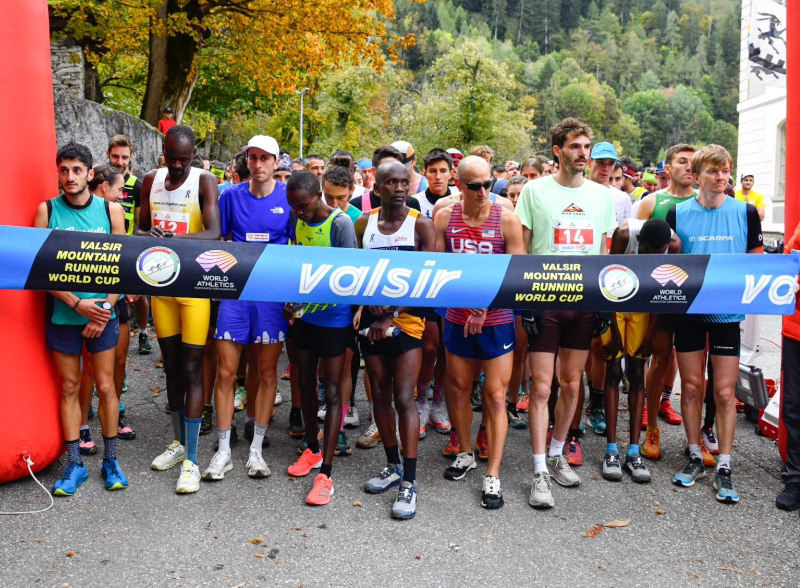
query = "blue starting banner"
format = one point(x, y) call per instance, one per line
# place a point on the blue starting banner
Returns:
point(44, 259)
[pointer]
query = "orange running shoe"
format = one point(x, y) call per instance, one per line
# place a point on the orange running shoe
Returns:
point(322, 491)
point(644, 416)
point(287, 373)
point(524, 402)
point(308, 461)
point(652, 444)
point(574, 452)
point(666, 412)
point(708, 459)
point(482, 444)
point(453, 447)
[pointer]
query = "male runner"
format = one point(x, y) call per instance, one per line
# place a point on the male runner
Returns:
point(321, 333)
point(747, 194)
point(78, 319)
point(681, 188)
point(316, 165)
point(119, 153)
point(255, 211)
point(561, 214)
point(417, 182)
point(180, 202)
point(711, 223)
point(630, 335)
point(477, 225)
point(393, 363)
point(371, 200)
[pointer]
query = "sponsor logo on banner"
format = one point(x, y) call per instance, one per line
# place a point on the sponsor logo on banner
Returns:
point(158, 266)
point(618, 283)
point(223, 261)
point(664, 274)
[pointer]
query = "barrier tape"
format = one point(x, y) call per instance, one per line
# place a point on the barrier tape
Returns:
point(44, 259)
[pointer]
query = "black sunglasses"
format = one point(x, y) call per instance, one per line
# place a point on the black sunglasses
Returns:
point(475, 186)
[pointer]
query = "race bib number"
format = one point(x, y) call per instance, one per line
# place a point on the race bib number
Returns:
point(174, 222)
point(573, 235)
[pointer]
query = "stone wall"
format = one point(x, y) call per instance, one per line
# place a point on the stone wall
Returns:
point(67, 62)
point(92, 124)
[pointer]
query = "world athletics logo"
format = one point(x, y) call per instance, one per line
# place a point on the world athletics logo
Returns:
point(664, 274)
point(216, 257)
point(158, 266)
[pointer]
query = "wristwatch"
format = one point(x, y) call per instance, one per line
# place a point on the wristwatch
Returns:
point(107, 306)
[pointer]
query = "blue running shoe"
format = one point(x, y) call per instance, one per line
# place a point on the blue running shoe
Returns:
point(389, 477)
point(74, 475)
point(124, 385)
point(694, 470)
point(598, 421)
point(724, 487)
point(405, 507)
point(91, 412)
point(121, 409)
point(115, 479)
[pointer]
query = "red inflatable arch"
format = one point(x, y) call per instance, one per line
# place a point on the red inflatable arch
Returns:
point(30, 390)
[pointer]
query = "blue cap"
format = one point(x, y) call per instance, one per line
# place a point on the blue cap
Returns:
point(604, 150)
point(661, 168)
point(500, 184)
point(364, 164)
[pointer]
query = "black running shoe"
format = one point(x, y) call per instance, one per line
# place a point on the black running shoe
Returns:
point(144, 344)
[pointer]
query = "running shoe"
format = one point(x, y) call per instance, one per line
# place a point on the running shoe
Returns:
point(206, 420)
point(173, 455)
point(453, 448)
point(287, 373)
point(475, 398)
point(598, 421)
point(574, 452)
point(724, 486)
point(491, 495)
point(514, 420)
point(652, 444)
point(321, 492)
point(524, 401)
point(234, 438)
point(144, 343)
point(351, 420)
point(463, 463)
point(424, 412)
point(389, 477)
point(124, 385)
point(121, 409)
point(634, 465)
point(308, 461)
point(125, 432)
point(482, 444)
point(666, 412)
point(304, 445)
point(693, 471)
point(561, 471)
point(644, 416)
point(220, 465)
point(74, 475)
point(370, 438)
point(278, 398)
point(708, 459)
point(789, 498)
point(249, 433)
point(541, 495)
point(626, 385)
point(612, 471)
point(189, 480)
point(439, 419)
point(323, 410)
point(296, 427)
point(86, 444)
point(710, 440)
point(113, 476)
point(321, 393)
point(405, 507)
point(240, 399)
point(256, 466)
point(342, 446)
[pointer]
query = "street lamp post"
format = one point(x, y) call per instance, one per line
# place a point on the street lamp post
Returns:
point(302, 94)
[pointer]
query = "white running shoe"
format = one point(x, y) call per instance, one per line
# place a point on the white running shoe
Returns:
point(323, 410)
point(370, 438)
point(240, 398)
point(189, 480)
point(541, 495)
point(174, 455)
point(351, 419)
point(219, 466)
point(278, 398)
point(439, 419)
point(424, 411)
point(258, 468)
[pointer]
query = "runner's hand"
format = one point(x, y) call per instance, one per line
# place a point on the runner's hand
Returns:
point(532, 322)
point(88, 308)
point(475, 320)
point(93, 330)
point(377, 330)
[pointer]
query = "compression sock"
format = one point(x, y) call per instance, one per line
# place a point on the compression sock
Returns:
point(259, 431)
point(326, 469)
point(595, 399)
point(74, 451)
point(393, 455)
point(192, 437)
point(666, 393)
point(224, 436)
point(110, 447)
point(410, 469)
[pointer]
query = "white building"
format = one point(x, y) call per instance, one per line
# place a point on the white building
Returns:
point(762, 106)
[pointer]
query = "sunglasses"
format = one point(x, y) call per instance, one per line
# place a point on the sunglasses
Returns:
point(476, 186)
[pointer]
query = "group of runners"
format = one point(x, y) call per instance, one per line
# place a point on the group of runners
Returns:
point(424, 367)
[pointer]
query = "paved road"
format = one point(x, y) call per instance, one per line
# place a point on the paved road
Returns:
point(147, 535)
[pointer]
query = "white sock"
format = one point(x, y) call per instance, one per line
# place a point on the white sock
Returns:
point(723, 461)
point(224, 436)
point(539, 463)
point(694, 451)
point(258, 436)
point(556, 447)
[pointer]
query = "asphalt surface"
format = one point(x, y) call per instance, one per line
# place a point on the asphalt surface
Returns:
point(243, 532)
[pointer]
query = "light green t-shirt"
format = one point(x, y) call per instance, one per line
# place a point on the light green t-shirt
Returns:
point(565, 221)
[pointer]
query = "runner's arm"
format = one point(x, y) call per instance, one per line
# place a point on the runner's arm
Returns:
point(620, 238)
point(209, 192)
point(144, 226)
point(646, 208)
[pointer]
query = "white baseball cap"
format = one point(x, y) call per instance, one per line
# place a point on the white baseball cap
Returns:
point(265, 143)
